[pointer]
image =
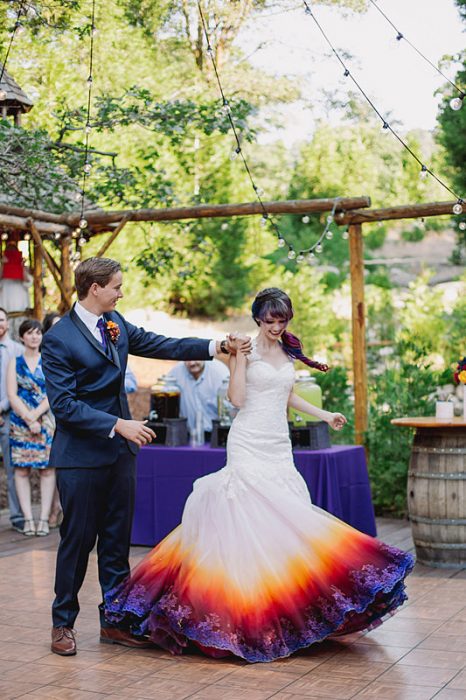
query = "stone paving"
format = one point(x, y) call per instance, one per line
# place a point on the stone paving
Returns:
point(418, 654)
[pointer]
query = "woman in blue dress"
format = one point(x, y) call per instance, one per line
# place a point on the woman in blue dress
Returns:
point(31, 427)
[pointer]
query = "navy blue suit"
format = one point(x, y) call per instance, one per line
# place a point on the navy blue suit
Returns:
point(95, 473)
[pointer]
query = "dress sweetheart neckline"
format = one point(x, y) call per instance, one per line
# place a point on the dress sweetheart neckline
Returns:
point(277, 369)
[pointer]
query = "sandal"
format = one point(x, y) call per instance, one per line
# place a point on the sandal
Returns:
point(55, 520)
point(29, 528)
point(42, 528)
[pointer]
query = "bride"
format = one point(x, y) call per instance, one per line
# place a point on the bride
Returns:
point(255, 569)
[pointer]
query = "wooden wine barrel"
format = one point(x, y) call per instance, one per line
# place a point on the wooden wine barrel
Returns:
point(437, 491)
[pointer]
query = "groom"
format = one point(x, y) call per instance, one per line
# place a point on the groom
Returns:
point(94, 449)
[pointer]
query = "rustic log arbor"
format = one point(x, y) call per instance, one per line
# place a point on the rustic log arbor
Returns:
point(352, 212)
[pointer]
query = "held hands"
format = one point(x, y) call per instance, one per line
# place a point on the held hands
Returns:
point(337, 421)
point(239, 343)
point(134, 430)
point(34, 427)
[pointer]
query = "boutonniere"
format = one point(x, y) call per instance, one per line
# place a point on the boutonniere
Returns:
point(113, 330)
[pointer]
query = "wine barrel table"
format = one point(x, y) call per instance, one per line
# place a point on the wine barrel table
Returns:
point(437, 490)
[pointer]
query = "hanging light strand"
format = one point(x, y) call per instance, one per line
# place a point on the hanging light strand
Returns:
point(87, 129)
point(401, 36)
point(16, 26)
point(347, 74)
point(238, 151)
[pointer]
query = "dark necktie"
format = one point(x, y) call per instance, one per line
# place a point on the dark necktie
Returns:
point(103, 334)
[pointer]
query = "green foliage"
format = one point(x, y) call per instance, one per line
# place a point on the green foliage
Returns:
point(403, 388)
point(337, 396)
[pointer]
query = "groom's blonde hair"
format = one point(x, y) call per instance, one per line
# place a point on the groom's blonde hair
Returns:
point(99, 270)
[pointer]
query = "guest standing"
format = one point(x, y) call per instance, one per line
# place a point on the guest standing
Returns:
point(9, 350)
point(199, 383)
point(31, 427)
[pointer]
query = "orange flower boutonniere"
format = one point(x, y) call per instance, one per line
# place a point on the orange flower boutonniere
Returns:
point(113, 330)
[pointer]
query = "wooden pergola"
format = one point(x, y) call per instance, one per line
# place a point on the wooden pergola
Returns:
point(353, 212)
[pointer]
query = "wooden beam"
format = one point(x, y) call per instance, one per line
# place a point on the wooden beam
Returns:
point(112, 237)
point(358, 323)
point(405, 211)
point(37, 282)
point(21, 224)
point(66, 275)
point(303, 206)
point(300, 206)
point(50, 263)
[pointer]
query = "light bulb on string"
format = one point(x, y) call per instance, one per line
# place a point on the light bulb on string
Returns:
point(311, 257)
point(83, 223)
point(226, 109)
point(456, 103)
point(385, 126)
point(399, 36)
point(462, 226)
point(457, 208)
point(82, 240)
point(76, 233)
point(224, 226)
point(291, 254)
point(329, 235)
point(210, 50)
point(88, 128)
point(264, 218)
point(281, 242)
point(423, 174)
point(87, 167)
point(319, 248)
point(307, 10)
point(300, 259)
point(345, 234)
point(235, 153)
point(306, 219)
point(4, 236)
point(258, 190)
point(57, 235)
point(329, 219)
point(89, 80)
point(346, 73)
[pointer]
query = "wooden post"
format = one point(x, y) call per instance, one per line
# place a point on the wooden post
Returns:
point(103, 249)
point(66, 274)
point(37, 283)
point(48, 258)
point(359, 331)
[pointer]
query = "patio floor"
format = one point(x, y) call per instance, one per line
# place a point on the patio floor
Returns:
point(419, 653)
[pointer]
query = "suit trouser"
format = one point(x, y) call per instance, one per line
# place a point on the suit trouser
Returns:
point(16, 515)
point(97, 506)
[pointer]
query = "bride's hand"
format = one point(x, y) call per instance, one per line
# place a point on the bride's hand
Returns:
point(337, 421)
point(238, 342)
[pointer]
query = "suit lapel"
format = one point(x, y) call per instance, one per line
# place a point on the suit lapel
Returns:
point(113, 349)
point(113, 357)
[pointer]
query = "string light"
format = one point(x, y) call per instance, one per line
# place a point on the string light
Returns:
point(345, 234)
point(27, 236)
point(462, 226)
point(385, 124)
point(455, 103)
point(16, 28)
point(458, 208)
point(4, 236)
point(238, 151)
point(306, 219)
point(424, 172)
point(87, 167)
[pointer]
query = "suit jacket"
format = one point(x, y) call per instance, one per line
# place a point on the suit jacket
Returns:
point(85, 386)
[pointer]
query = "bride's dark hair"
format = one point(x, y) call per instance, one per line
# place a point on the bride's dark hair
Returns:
point(274, 303)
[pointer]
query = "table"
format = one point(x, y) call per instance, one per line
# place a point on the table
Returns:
point(336, 477)
point(437, 489)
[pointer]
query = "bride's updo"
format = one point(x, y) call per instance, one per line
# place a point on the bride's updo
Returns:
point(274, 303)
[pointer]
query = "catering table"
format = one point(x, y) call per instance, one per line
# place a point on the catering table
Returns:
point(336, 477)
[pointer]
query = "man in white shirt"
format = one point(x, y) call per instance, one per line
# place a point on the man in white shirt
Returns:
point(199, 383)
point(9, 349)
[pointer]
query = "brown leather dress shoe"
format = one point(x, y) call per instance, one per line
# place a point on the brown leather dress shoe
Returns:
point(63, 641)
point(113, 635)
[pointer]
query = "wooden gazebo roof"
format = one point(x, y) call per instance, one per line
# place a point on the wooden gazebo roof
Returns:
point(13, 100)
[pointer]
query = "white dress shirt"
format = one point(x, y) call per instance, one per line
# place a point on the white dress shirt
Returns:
point(90, 320)
point(9, 350)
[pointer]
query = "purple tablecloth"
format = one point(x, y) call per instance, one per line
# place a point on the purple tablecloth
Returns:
point(336, 477)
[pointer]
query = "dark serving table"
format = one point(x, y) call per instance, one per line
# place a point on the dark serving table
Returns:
point(336, 477)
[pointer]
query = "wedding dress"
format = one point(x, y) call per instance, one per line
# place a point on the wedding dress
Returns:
point(255, 569)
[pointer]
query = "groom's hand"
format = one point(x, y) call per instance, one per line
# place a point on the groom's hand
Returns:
point(134, 430)
point(238, 342)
